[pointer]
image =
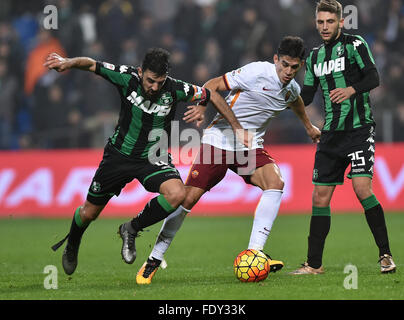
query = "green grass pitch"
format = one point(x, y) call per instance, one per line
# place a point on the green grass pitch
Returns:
point(200, 261)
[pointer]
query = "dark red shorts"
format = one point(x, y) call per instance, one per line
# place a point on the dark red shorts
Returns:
point(211, 164)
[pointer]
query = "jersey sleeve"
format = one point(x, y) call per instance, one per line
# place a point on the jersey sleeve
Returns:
point(295, 89)
point(119, 75)
point(310, 78)
point(362, 54)
point(189, 92)
point(243, 78)
point(311, 81)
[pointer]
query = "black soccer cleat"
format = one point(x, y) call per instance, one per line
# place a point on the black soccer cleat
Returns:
point(128, 235)
point(69, 258)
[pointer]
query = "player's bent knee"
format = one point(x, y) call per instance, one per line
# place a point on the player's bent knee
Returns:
point(279, 184)
point(268, 177)
point(275, 183)
point(175, 196)
point(321, 198)
point(363, 193)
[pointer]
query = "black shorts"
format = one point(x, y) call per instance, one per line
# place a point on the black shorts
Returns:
point(116, 170)
point(337, 150)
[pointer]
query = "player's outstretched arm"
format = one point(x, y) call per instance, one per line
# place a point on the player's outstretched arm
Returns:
point(215, 85)
point(298, 108)
point(60, 64)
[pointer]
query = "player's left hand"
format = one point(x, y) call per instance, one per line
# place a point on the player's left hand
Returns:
point(314, 133)
point(195, 114)
point(339, 95)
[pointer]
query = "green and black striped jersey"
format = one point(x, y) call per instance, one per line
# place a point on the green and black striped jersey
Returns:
point(143, 122)
point(340, 64)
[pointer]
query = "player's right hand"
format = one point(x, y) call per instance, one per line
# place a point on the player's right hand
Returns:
point(245, 137)
point(314, 133)
point(56, 62)
point(195, 114)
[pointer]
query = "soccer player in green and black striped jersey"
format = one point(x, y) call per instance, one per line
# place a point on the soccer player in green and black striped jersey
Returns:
point(345, 70)
point(148, 102)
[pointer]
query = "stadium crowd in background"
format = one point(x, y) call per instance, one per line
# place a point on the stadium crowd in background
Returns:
point(40, 109)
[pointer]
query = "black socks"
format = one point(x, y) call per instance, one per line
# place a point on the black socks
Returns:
point(319, 227)
point(377, 224)
point(77, 229)
point(155, 210)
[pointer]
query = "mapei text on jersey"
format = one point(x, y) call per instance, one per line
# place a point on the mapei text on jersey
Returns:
point(140, 102)
point(327, 67)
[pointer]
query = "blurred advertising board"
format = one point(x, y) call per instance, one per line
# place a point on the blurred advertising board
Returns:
point(54, 183)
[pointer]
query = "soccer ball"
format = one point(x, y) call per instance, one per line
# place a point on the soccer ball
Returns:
point(251, 266)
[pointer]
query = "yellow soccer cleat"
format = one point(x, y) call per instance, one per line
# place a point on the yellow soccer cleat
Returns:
point(147, 271)
point(274, 265)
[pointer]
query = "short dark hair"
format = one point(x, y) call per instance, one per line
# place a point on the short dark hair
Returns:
point(157, 60)
point(332, 6)
point(292, 47)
